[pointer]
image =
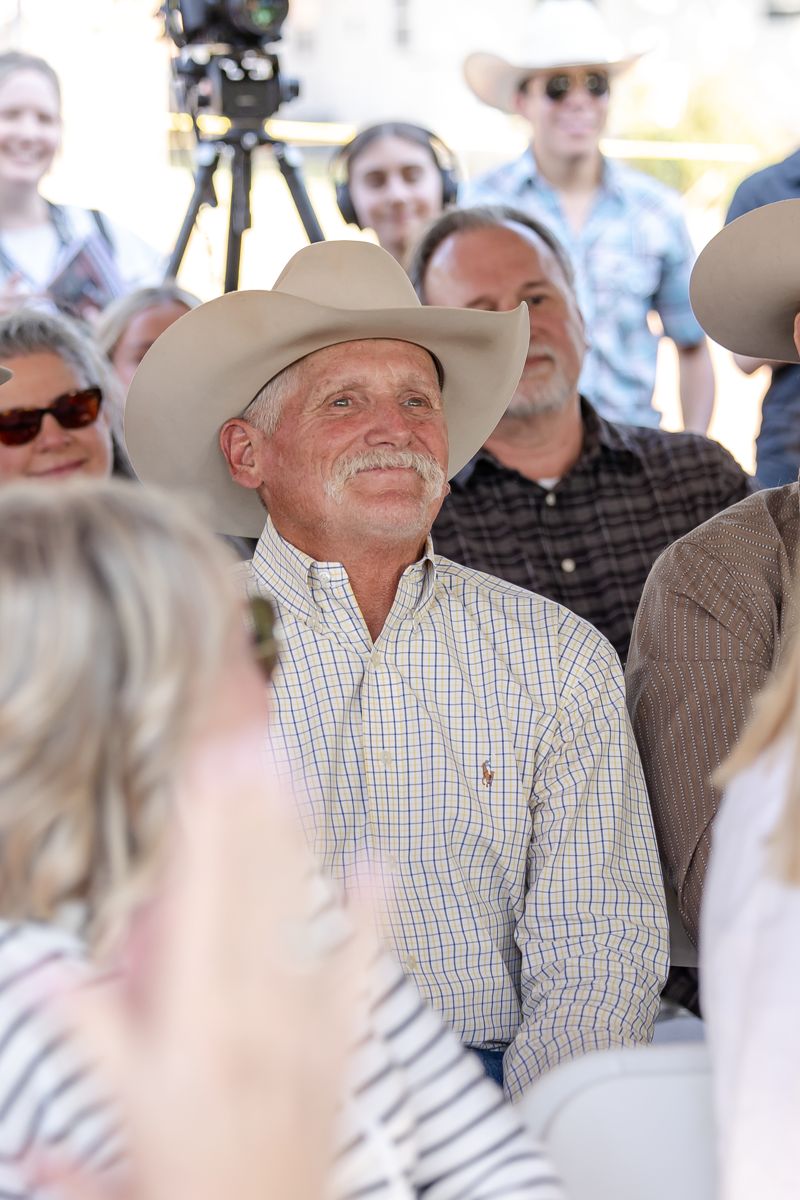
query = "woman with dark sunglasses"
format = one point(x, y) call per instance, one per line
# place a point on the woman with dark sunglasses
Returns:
point(56, 411)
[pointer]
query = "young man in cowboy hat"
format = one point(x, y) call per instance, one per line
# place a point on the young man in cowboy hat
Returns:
point(466, 737)
point(559, 500)
point(720, 603)
point(623, 230)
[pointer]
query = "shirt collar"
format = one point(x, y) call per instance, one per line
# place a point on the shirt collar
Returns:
point(527, 171)
point(298, 582)
point(599, 435)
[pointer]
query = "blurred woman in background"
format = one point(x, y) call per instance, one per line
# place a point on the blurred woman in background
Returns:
point(68, 258)
point(126, 330)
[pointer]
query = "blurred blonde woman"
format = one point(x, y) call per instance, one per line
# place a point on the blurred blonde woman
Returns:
point(750, 951)
point(129, 690)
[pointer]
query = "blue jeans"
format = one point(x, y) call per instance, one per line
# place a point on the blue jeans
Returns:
point(491, 1061)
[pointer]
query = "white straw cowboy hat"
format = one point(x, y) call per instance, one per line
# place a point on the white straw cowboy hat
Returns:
point(561, 34)
point(208, 366)
point(745, 286)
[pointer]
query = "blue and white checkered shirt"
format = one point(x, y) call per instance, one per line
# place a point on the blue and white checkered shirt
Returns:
point(632, 256)
point(480, 752)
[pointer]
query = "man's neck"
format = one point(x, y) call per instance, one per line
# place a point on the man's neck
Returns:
point(578, 175)
point(373, 569)
point(22, 208)
point(540, 446)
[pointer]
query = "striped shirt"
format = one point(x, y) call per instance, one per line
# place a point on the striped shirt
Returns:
point(714, 619)
point(419, 1117)
point(480, 752)
point(590, 540)
point(50, 1107)
point(632, 255)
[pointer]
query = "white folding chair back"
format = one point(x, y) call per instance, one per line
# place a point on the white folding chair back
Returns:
point(629, 1124)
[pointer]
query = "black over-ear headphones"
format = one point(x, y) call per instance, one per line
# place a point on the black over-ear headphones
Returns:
point(442, 156)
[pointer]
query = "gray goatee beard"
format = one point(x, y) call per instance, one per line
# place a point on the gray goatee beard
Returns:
point(426, 467)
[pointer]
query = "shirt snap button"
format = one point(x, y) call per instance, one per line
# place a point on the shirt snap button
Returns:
point(550, 499)
point(568, 565)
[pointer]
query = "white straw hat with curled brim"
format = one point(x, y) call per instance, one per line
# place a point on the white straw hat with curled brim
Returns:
point(208, 366)
point(745, 286)
point(561, 34)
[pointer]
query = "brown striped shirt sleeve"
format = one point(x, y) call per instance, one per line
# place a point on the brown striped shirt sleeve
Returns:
point(714, 615)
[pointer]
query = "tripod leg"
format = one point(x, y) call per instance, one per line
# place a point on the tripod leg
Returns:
point(289, 164)
point(240, 215)
point(207, 160)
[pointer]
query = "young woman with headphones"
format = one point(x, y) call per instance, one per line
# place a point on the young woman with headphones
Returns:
point(393, 178)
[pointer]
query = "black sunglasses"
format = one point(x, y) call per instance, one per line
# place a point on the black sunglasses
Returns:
point(558, 86)
point(73, 410)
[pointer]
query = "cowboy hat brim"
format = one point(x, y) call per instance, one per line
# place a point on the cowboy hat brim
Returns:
point(745, 286)
point(497, 82)
point(209, 365)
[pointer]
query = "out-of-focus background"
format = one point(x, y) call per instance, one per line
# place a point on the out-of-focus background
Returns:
point(716, 97)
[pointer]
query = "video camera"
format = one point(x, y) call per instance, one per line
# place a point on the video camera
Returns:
point(222, 66)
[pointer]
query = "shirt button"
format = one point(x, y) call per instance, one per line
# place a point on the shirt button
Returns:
point(550, 499)
point(568, 565)
point(410, 962)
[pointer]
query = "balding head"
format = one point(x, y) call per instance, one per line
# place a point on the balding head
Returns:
point(495, 261)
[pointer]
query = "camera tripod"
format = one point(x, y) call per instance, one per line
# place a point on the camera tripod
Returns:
point(239, 145)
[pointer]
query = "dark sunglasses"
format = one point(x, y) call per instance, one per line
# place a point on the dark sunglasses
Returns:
point(558, 86)
point(73, 410)
point(262, 634)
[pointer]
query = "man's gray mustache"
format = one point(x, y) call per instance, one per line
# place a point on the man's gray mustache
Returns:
point(368, 460)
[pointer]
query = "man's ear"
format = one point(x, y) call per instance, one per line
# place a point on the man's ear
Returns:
point(796, 332)
point(240, 443)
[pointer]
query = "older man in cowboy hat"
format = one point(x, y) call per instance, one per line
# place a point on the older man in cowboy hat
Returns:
point(466, 737)
point(721, 602)
point(623, 230)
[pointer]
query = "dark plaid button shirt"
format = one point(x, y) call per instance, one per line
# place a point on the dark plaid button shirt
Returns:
point(590, 541)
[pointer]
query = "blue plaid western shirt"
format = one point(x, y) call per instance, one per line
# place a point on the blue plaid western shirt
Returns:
point(479, 752)
point(632, 256)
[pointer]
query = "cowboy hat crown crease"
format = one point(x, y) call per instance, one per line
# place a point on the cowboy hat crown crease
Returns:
point(369, 275)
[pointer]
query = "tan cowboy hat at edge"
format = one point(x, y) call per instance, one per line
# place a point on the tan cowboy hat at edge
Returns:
point(209, 365)
point(745, 286)
point(561, 33)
